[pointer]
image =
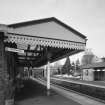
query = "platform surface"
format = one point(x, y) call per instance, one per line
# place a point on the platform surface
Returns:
point(34, 93)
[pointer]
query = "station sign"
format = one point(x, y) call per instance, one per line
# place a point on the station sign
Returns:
point(14, 50)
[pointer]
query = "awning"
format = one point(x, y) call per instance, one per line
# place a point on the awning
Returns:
point(39, 37)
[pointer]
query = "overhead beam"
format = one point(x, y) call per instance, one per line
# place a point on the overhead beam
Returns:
point(32, 51)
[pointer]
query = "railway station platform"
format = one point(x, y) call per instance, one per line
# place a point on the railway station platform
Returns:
point(34, 93)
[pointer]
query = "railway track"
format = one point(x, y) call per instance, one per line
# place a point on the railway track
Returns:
point(92, 92)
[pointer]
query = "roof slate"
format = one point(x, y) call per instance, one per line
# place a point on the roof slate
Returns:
point(94, 65)
point(33, 22)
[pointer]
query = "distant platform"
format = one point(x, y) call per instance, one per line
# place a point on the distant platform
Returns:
point(98, 84)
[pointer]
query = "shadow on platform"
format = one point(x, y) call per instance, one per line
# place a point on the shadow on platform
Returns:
point(34, 93)
point(31, 89)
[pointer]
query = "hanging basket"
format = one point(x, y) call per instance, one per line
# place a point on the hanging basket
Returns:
point(9, 102)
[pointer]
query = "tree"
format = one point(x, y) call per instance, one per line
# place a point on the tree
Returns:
point(87, 58)
point(72, 67)
point(57, 66)
point(78, 66)
point(66, 67)
point(103, 59)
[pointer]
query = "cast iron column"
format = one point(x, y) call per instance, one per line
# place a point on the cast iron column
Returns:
point(48, 72)
point(48, 75)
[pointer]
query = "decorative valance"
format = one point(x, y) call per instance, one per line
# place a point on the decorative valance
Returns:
point(34, 40)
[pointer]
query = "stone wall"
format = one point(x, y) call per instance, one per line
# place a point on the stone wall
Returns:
point(2, 70)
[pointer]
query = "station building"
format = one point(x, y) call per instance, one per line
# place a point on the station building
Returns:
point(34, 44)
point(94, 72)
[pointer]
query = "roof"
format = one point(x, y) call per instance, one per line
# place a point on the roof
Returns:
point(94, 65)
point(38, 38)
point(33, 22)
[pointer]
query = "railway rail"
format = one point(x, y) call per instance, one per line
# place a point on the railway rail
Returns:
point(94, 91)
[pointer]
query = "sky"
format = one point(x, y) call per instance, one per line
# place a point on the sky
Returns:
point(86, 16)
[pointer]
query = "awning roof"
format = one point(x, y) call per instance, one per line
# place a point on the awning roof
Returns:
point(41, 23)
point(48, 32)
point(38, 36)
